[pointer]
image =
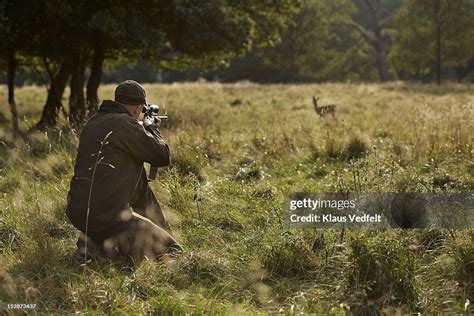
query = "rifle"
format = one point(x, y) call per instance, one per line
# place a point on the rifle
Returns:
point(151, 111)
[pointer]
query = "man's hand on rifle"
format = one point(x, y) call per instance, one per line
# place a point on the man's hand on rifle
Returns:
point(151, 120)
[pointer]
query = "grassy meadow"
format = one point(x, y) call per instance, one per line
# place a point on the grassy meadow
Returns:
point(236, 149)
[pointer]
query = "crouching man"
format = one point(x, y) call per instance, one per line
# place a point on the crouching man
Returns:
point(109, 199)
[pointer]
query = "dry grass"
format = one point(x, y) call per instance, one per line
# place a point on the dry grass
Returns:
point(236, 149)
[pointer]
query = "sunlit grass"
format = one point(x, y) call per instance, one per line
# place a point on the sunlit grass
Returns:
point(236, 149)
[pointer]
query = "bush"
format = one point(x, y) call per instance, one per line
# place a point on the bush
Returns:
point(356, 147)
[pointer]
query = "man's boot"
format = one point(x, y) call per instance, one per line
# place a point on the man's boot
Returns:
point(93, 251)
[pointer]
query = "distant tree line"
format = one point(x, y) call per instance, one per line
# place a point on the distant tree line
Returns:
point(353, 40)
point(85, 42)
point(363, 40)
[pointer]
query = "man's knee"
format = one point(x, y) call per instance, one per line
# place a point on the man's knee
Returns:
point(142, 239)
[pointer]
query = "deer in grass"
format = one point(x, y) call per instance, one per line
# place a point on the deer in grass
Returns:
point(323, 110)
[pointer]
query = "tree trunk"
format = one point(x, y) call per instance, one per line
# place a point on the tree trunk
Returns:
point(77, 106)
point(380, 57)
point(438, 59)
point(94, 81)
point(50, 114)
point(377, 43)
point(12, 63)
point(438, 42)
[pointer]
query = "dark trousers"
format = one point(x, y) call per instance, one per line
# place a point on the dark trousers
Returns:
point(144, 234)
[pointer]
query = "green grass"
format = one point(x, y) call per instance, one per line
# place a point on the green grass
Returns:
point(236, 149)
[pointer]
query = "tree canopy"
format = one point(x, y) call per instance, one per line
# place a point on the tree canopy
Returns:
point(366, 40)
point(67, 38)
point(433, 34)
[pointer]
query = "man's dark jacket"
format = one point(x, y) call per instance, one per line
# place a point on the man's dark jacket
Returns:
point(119, 171)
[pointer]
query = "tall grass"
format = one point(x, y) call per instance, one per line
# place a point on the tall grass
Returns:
point(232, 162)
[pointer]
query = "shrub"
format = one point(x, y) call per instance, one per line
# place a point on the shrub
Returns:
point(356, 147)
